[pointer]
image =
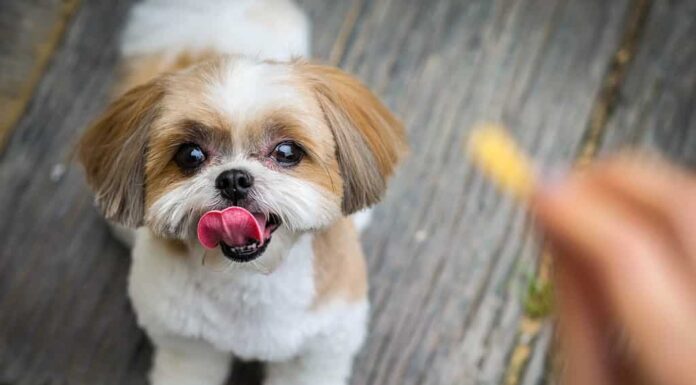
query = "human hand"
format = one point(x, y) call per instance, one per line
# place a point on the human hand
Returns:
point(623, 237)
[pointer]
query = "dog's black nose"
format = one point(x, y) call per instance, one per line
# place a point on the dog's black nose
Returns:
point(234, 184)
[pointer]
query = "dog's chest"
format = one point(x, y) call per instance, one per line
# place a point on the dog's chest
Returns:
point(255, 316)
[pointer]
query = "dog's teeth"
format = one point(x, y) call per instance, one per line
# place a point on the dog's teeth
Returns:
point(245, 248)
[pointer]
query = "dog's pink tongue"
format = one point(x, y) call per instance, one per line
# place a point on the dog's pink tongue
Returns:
point(234, 226)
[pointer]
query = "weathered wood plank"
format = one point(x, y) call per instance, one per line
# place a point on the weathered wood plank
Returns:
point(448, 257)
point(657, 108)
point(64, 315)
point(332, 23)
point(31, 30)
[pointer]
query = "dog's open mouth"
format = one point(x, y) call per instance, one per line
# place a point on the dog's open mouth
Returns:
point(241, 235)
point(253, 248)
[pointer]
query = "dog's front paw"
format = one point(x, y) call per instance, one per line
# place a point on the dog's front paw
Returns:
point(305, 381)
point(188, 362)
point(308, 370)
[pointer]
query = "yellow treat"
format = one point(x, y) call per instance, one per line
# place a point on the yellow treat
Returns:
point(494, 151)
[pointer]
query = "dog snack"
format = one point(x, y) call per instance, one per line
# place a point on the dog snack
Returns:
point(497, 155)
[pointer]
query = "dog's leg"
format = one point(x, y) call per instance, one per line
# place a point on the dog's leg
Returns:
point(312, 368)
point(328, 358)
point(183, 361)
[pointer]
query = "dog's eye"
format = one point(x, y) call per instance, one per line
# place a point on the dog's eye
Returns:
point(189, 156)
point(287, 153)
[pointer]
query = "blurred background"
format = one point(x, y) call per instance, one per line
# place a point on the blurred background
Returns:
point(458, 294)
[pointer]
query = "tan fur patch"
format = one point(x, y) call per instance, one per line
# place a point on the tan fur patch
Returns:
point(370, 141)
point(112, 153)
point(112, 149)
point(339, 264)
point(160, 183)
point(186, 102)
point(186, 118)
point(326, 176)
point(176, 247)
point(319, 166)
point(141, 69)
point(161, 173)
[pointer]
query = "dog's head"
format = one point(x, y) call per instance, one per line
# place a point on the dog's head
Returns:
point(296, 144)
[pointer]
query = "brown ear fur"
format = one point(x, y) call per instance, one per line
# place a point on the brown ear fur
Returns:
point(113, 153)
point(370, 141)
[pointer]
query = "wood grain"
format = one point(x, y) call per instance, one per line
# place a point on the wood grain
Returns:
point(65, 315)
point(448, 256)
point(333, 23)
point(32, 30)
point(657, 107)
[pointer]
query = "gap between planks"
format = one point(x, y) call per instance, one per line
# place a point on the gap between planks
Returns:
point(44, 53)
point(347, 30)
point(602, 109)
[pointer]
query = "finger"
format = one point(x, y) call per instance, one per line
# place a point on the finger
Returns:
point(666, 193)
point(648, 293)
point(593, 344)
point(582, 324)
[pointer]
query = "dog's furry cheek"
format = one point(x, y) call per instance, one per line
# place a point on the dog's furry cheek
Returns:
point(174, 213)
point(302, 205)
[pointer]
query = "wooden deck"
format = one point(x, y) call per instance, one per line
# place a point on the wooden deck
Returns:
point(449, 258)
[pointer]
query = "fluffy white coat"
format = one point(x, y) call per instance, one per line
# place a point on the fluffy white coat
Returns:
point(199, 316)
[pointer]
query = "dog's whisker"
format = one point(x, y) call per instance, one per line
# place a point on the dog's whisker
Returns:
point(258, 265)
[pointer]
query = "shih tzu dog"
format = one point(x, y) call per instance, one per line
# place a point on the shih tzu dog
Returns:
point(242, 167)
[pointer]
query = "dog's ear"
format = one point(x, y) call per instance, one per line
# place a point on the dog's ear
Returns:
point(113, 152)
point(370, 141)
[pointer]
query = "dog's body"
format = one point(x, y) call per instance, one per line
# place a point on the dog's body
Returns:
point(199, 315)
point(194, 114)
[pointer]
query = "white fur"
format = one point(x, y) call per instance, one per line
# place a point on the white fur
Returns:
point(362, 219)
point(268, 29)
point(249, 87)
point(301, 205)
point(198, 308)
point(193, 310)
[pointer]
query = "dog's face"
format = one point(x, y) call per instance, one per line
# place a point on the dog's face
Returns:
point(296, 144)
